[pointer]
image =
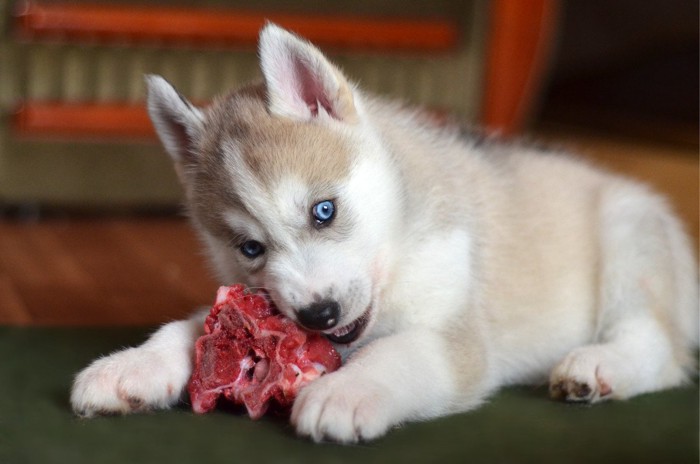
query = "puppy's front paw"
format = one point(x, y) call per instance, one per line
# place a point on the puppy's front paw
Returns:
point(132, 380)
point(342, 409)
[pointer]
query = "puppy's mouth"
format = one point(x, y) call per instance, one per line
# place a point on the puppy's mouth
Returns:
point(351, 332)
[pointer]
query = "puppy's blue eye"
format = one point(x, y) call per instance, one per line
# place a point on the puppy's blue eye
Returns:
point(323, 212)
point(252, 249)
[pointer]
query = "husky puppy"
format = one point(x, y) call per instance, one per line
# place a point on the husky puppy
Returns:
point(442, 267)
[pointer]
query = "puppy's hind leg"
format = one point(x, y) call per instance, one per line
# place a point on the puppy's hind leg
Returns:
point(648, 281)
point(150, 376)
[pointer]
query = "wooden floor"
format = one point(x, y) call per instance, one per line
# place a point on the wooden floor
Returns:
point(115, 271)
point(147, 270)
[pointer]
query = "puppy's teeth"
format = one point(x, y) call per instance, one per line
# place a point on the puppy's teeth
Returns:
point(344, 330)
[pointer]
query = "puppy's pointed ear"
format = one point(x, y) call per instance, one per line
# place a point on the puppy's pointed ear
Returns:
point(177, 122)
point(301, 82)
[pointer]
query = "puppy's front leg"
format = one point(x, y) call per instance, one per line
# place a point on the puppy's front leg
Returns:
point(407, 376)
point(150, 376)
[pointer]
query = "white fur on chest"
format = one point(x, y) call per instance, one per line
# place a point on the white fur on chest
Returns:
point(432, 283)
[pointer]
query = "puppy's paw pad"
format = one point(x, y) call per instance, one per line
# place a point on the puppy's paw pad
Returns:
point(578, 378)
point(572, 391)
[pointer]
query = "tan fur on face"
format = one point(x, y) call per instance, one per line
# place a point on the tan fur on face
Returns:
point(268, 149)
point(273, 147)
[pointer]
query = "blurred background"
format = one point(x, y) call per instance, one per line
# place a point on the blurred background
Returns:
point(91, 230)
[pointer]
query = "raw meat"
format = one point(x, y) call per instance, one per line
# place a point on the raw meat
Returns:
point(253, 355)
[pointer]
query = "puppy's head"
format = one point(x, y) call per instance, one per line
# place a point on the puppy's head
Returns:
point(289, 185)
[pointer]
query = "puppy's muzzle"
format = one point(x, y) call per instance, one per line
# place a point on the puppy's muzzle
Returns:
point(322, 315)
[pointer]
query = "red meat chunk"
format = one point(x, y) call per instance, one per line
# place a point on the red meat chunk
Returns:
point(253, 355)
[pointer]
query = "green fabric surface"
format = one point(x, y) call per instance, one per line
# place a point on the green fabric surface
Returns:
point(517, 425)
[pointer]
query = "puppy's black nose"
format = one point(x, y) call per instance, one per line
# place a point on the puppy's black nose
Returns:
point(319, 316)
